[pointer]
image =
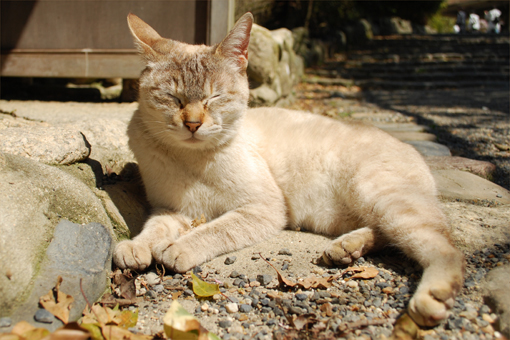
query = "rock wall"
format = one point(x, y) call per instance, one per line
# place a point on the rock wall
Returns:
point(273, 68)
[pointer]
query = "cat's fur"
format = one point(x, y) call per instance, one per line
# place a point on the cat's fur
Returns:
point(254, 172)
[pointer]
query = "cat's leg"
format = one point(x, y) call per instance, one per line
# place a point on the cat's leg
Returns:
point(351, 246)
point(160, 231)
point(418, 227)
point(232, 231)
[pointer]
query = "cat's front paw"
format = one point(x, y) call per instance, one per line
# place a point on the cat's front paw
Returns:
point(431, 305)
point(180, 258)
point(131, 254)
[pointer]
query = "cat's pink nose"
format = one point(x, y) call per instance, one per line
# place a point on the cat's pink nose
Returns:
point(192, 126)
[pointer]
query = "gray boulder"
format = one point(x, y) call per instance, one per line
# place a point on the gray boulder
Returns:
point(34, 198)
point(81, 255)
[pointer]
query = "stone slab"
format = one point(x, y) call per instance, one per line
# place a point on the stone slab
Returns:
point(400, 127)
point(464, 186)
point(427, 148)
point(480, 168)
point(413, 136)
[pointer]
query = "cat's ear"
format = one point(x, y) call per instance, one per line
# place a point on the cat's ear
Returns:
point(144, 35)
point(235, 45)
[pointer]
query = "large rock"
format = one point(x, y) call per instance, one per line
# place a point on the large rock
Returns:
point(273, 68)
point(81, 255)
point(34, 198)
point(42, 142)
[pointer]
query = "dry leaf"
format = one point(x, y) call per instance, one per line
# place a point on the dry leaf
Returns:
point(362, 272)
point(404, 329)
point(57, 302)
point(309, 282)
point(198, 221)
point(181, 325)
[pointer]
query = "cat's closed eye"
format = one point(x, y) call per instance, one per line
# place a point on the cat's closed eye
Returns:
point(177, 101)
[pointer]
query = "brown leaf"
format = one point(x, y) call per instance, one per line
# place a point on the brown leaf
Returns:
point(309, 282)
point(57, 302)
point(362, 272)
point(126, 284)
point(119, 333)
point(71, 331)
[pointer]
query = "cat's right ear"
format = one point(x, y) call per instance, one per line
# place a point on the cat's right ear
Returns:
point(145, 36)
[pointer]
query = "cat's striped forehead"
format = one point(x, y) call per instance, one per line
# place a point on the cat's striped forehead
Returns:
point(193, 72)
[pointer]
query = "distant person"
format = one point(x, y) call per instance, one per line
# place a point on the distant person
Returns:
point(474, 22)
point(493, 20)
point(460, 24)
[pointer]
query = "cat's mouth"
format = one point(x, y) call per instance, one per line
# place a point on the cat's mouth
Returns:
point(192, 140)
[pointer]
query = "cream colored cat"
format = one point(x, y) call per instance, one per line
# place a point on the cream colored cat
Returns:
point(253, 172)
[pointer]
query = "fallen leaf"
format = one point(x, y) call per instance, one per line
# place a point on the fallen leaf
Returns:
point(181, 325)
point(119, 333)
point(71, 331)
point(405, 329)
point(198, 221)
point(57, 302)
point(204, 289)
point(362, 272)
point(309, 282)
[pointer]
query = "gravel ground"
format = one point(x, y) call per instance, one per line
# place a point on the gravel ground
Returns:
point(471, 123)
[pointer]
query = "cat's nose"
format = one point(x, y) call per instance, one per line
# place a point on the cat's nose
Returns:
point(192, 126)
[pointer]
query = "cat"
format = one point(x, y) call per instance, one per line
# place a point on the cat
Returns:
point(254, 172)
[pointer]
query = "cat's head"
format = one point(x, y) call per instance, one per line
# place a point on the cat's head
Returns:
point(193, 96)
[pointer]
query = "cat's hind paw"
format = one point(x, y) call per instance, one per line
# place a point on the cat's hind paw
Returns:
point(429, 306)
point(349, 247)
point(133, 255)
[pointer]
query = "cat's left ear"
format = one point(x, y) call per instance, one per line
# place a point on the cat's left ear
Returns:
point(235, 45)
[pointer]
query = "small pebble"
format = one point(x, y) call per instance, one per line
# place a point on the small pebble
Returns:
point(264, 279)
point(244, 308)
point(284, 251)
point(232, 307)
point(158, 288)
point(204, 307)
point(352, 284)
point(234, 274)
point(152, 278)
point(224, 324)
point(230, 260)
point(5, 322)
point(301, 296)
point(42, 315)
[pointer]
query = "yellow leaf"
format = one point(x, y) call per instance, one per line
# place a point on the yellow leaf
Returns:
point(118, 333)
point(204, 289)
point(181, 325)
point(405, 329)
point(94, 330)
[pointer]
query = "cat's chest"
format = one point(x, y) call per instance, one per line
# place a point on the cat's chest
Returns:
point(194, 188)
